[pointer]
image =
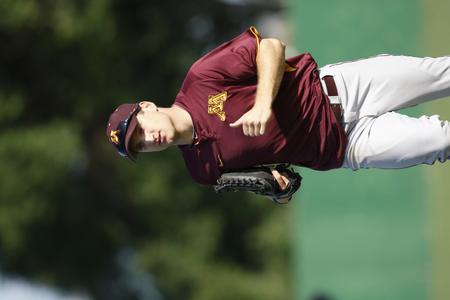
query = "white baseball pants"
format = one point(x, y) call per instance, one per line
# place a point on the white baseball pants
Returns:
point(371, 90)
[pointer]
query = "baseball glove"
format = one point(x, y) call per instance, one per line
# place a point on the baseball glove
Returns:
point(260, 180)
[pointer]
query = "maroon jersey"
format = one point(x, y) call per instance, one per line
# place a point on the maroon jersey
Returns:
point(221, 86)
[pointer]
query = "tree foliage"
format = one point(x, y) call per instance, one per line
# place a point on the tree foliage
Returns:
point(69, 204)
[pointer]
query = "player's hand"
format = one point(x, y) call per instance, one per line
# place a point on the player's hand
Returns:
point(282, 180)
point(254, 122)
point(283, 183)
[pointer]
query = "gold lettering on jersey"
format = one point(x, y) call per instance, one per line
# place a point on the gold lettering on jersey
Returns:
point(215, 105)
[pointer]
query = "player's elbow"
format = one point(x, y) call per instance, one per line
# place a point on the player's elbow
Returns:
point(273, 43)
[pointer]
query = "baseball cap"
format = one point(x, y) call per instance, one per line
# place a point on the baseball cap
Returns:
point(121, 124)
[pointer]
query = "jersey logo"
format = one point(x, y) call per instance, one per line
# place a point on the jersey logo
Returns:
point(215, 105)
point(113, 136)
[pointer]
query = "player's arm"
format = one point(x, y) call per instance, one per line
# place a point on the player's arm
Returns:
point(270, 70)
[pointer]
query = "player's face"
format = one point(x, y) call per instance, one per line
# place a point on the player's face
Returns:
point(154, 131)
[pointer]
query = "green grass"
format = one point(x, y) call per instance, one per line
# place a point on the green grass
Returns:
point(361, 235)
point(436, 42)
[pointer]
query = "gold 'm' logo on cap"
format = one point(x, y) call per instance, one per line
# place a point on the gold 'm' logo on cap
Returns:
point(215, 105)
point(113, 136)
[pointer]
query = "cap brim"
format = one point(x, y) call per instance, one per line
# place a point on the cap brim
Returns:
point(131, 127)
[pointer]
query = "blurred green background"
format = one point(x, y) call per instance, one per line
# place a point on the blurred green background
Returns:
point(76, 218)
point(374, 234)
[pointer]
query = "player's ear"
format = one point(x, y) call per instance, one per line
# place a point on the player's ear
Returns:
point(147, 105)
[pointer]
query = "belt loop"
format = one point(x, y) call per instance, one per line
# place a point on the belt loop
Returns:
point(331, 85)
point(333, 97)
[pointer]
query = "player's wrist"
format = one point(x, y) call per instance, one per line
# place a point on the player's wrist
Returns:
point(263, 106)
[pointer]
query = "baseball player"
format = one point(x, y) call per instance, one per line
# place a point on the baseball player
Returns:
point(244, 105)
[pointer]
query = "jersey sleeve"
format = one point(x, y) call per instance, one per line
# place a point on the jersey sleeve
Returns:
point(232, 61)
point(200, 164)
